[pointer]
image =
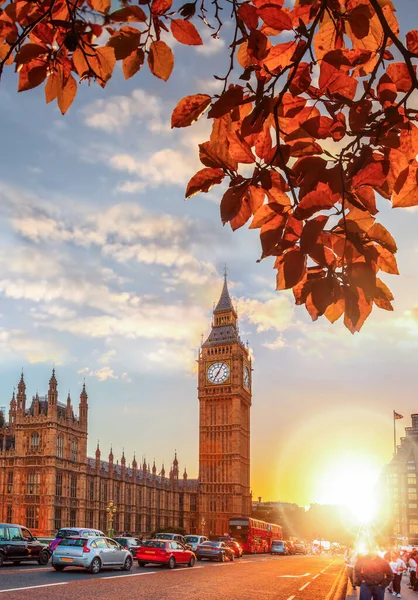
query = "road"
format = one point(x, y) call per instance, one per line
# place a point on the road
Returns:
point(249, 578)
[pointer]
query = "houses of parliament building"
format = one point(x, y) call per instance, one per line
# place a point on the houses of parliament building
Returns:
point(47, 481)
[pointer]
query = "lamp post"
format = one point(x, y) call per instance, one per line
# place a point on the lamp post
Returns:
point(111, 511)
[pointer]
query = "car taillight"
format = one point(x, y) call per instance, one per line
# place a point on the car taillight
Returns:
point(85, 549)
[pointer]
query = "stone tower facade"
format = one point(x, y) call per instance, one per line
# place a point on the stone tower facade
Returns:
point(224, 391)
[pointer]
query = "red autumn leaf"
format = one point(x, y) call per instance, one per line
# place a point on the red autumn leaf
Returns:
point(231, 202)
point(257, 196)
point(311, 232)
point(105, 63)
point(129, 14)
point(160, 60)
point(279, 56)
point(243, 215)
point(386, 261)
point(363, 276)
point(412, 41)
point(379, 233)
point(31, 75)
point(102, 6)
point(248, 13)
point(66, 93)
point(333, 81)
point(399, 74)
point(239, 149)
point(367, 198)
point(229, 99)
point(189, 109)
point(335, 310)
point(51, 87)
point(271, 237)
point(124, 42)
point(274, 16)
point(132, 63)
point(325, 39)
point(320, 199)
point(263, 215)
point(407, 193)
point(215, 154)
point(30, 51)
point(291, 269)
point(203, 181)
point(372, 174)
point(357, 309)
point(159, 7)
point(185, 32)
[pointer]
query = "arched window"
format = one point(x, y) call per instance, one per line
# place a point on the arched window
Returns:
point(60, 446)
point(74, 450)
point(34, 440)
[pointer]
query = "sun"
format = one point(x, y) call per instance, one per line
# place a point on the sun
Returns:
point(350, 482)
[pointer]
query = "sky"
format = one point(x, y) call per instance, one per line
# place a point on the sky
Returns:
point(109, 274)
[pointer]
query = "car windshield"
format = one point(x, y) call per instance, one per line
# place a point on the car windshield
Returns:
point(278, 543)
point(212, 544)
point(64, 533)
point(193, 539)
point(78, 542)
point(153, 544)
point(164, 536)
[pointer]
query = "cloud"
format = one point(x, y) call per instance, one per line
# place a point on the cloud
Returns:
point(211, 45)
point(173, 357)
point(101, 374)
point(277, 344)
point(114, 114)
point(16, 343)
point(273, 314)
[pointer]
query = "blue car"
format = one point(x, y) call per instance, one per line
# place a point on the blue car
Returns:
point(278, 547)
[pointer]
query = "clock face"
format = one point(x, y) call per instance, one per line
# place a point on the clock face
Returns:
point(246, 376)
point(218, 372)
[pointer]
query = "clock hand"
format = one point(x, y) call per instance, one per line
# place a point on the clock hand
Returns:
point(218, 371)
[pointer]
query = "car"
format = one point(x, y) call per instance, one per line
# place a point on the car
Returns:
point(194, 540)
point(290, 547)
point(91, 553)
point(164, 552)
point(278, 547)
point(175, 537)
point(130, 543)
point(300, 548)
point(238, 551)
point(17, 545)
point(214, 551)
point(65, 532)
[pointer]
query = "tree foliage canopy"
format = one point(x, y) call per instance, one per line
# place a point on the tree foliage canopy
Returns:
point(314, 121)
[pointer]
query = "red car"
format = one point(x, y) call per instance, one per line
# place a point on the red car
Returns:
point(238, 551)
point(164, 552)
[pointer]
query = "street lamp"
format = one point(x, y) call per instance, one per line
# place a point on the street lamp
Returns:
point(202, 525)
point(111, 511)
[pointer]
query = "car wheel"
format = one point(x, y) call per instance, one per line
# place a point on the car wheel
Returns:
point(141, 563)
point(17, 562)
point(222, 557)
point(95, 566)
point(171, 562)
point(58, 568)
point(128, 564)
point(43, 558)
point(231, 558)
point(191, 562)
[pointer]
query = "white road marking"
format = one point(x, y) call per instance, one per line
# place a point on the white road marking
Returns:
point(128, 575)
point(316, 576)
point(295, 576)
point(34, 587)
point(291, 597)
point(304, 586)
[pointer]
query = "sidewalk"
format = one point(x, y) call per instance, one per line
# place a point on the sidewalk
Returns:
point(407, 594)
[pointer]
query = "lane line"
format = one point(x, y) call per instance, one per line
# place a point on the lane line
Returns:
point(295, 576)
point(304, 586)
point(291, 597)
point(34, 587)
point(127, 575)
point(316, 576)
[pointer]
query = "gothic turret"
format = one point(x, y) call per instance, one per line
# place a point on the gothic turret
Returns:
point(69, 408)
point(12, 410)
point(21, 395)
point(53, 391)
point(98, 454)
point(83, 407)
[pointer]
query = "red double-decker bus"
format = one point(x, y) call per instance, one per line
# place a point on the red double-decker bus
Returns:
point(254, 536)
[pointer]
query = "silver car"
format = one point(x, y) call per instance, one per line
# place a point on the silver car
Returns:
point(91, 553)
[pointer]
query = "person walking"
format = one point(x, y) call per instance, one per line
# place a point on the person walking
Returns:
point(350, 558)
point(373, 574)
point(398, 567)
point(412, 563)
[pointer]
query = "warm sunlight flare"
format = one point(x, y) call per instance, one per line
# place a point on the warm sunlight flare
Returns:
point(350, 482)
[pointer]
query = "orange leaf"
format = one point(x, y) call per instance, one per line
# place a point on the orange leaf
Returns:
point(229, 99)
point(106, 61)
point(412, 41)
point(51, 87)
point(243, 215)
point(31, 75)
point(380, 234)
point(399, 74)
point(332, 80)
point(129, 14)
point(357, 309)
point(320, 199)
point(372, 174)
point(407, 195)
point(66, 94)
point(239, 149)
point(363, 276)
point(291, 269)
point(335, 310)
point(311, 231)
point(189, 109)
point(263, 215)
point(386, 261)
point(159, 7)
point(160, 60)
point(124, 42)
point(30, 51)
point(203, 181)
point(325, 39)
point(102, 6)
point(185, 32)
point(274, 16)
point(231, 202)
point(279, 56)
point(132, 63)
point(257, 196)
point(216, 154)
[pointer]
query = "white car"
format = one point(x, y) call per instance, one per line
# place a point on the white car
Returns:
point(195, 540)
point(94, 554)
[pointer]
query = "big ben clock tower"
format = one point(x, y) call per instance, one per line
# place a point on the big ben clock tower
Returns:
point(224, 429)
